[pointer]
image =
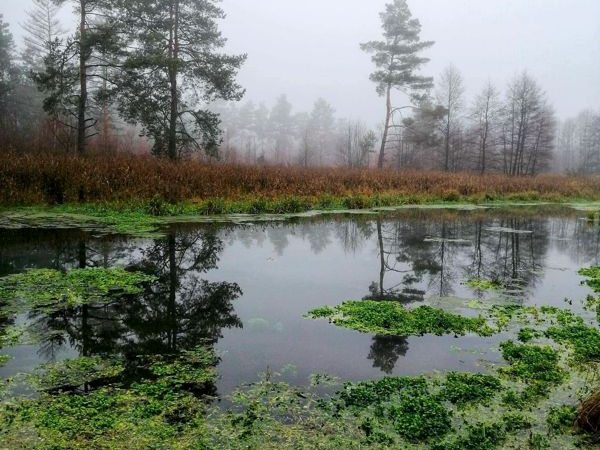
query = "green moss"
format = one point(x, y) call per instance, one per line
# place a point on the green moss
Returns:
point(470, 388)
point(393, 319)
point(50, 289)
point(532, 364)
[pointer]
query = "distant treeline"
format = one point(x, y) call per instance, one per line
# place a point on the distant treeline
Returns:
point(139, 76)
point(514, 133)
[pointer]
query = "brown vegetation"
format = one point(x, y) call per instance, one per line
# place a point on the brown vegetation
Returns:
point(588, 416)
point(29, 179)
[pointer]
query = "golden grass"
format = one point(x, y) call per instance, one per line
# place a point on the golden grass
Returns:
point(29, 179)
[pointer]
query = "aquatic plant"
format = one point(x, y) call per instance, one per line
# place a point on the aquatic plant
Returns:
point(50, 289)
point(583, 339)
point(371, 393)
point(593, 275)
point(527, 334)
point(561, 419)
point(154, 412)
point(470, 388)
point(418, 416)
point(393, 319)
point(482, 436)
point(484, 284)
point(73, 373)
point(532, 363)
point(516, 421)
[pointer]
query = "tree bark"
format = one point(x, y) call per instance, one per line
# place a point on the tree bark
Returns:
point(388, 117)
point(173, 57)
point(83, 94)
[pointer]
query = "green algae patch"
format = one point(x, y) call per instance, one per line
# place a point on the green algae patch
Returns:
point(391, 318)
point(532, 363)
point(484, 284)
point(74, 373)
point(191, 368)
point(561, 419)
point(593, 275)
point(112, 413)
point(584, 341)
point(470, 388)
point(49, 289)
point(483, 436)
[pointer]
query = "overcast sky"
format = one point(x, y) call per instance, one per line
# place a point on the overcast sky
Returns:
point(310, 48)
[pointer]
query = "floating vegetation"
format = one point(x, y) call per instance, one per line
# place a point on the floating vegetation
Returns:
point(73, 373)
point(532, 364)
point(593, 275)
point(584, 340)
point(470, 388)
point(561, 419)
point(528, 334)
point(154, 412)
point(391, 318)
point(485, 285)
point(50, 289)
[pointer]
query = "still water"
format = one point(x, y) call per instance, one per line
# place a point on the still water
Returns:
point(244, 288)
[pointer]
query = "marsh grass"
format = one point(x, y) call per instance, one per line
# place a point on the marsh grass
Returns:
point(60, 178)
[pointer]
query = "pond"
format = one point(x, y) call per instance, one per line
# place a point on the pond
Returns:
point(245, 288)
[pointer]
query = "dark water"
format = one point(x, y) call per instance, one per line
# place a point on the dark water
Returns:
point(245, 288)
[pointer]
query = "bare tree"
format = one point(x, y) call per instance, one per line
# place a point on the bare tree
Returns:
point(485, 113)
point(355, 144)
point(450, 95)
point(528, 129)
point(42, 27)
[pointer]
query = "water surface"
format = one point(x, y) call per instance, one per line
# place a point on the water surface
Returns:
point(245, 288)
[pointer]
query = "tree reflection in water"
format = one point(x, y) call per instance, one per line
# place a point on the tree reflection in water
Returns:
point(177, 312)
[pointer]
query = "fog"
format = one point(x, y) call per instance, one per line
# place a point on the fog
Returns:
point(310, 49)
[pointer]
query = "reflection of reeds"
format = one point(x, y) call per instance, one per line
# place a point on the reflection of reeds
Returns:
point(588, 416)
point(60, 177)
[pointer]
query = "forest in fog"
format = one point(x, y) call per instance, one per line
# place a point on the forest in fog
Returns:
point(106, 85)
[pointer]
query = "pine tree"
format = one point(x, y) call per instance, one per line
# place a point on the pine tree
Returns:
point(75, 68)
point(174, 67)
point(397, 60)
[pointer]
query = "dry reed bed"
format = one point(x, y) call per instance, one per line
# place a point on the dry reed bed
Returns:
point(28, 179)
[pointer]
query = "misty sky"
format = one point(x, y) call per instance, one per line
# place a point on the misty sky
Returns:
point(310, 48)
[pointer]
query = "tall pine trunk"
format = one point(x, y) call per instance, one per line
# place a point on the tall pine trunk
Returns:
point(173, 58)
point(386, 128)
point(83, 94)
